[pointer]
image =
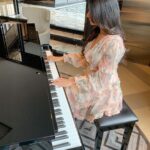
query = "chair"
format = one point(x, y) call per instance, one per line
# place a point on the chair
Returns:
point(41, 18)
point(125, 119)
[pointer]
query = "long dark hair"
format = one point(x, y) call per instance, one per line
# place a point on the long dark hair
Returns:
point(106, 14)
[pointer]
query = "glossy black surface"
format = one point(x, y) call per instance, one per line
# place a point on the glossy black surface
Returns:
point(24, 106)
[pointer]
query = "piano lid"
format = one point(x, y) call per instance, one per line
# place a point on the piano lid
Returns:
point(19, 40)
point(24, 107)
point(20, 43)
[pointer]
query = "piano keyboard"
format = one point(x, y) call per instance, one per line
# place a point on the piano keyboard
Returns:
point(67, 136)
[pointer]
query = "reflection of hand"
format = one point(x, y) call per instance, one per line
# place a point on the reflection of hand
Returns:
point(62, 82)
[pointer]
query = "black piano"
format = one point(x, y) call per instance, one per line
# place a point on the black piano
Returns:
point(26, 111)
point(31, 110)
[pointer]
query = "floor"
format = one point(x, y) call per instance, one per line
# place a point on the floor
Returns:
point(137, 95)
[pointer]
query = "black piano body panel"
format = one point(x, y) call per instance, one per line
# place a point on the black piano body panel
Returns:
point(24, 109)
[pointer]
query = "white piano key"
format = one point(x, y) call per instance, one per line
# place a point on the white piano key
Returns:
point(73, 139)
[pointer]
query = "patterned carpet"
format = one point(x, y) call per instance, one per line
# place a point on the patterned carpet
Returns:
point(112, 139)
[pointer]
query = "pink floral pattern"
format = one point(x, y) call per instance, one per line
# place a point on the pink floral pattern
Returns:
point(98, 92)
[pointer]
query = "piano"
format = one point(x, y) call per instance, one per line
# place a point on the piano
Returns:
point(65, 134)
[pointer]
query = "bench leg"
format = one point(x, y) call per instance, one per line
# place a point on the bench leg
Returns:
point(98, 139)
point(126, 136)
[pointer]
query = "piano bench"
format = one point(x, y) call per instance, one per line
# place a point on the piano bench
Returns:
point(125, 119)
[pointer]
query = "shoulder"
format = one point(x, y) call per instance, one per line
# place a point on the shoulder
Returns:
point(114, 38)
point(114, 41)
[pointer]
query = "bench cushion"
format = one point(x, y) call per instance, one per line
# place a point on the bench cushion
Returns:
point(124, 117)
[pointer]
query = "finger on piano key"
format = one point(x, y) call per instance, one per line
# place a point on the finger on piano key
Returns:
point(48, 53)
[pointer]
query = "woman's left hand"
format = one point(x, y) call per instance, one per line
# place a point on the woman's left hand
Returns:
point(63, 82)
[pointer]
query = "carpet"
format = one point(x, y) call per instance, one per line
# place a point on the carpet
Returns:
point(112, 139)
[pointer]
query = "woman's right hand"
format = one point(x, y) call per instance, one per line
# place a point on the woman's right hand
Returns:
point(53, 58)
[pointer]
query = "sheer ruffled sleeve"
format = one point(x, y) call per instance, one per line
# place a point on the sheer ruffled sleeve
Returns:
point(76, 59)
point(106, 63)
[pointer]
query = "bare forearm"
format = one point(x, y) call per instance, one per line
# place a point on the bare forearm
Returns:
point(83, 63)
point(55, 58)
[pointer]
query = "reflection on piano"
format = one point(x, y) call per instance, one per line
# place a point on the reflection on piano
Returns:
point(4, 130)
point(20, 41)
point(67, 136)
point(24, 107)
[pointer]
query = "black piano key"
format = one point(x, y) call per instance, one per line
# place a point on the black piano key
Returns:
point(58, 113)
point(61, 145)
point(55, 100)
point(61, 126)
point(50, 76)
point(52, 87)
point(61, 123)
point(63, 132)
point(47, 65)
point(54, 94)
point(52, 111)
point(59, 119)
point(57, 110)
point(48, 71)
point(56, 105)
point(60, 138)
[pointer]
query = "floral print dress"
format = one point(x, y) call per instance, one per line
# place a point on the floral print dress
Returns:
point(97, 92)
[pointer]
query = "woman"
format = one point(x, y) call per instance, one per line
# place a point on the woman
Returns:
point(97, 92)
